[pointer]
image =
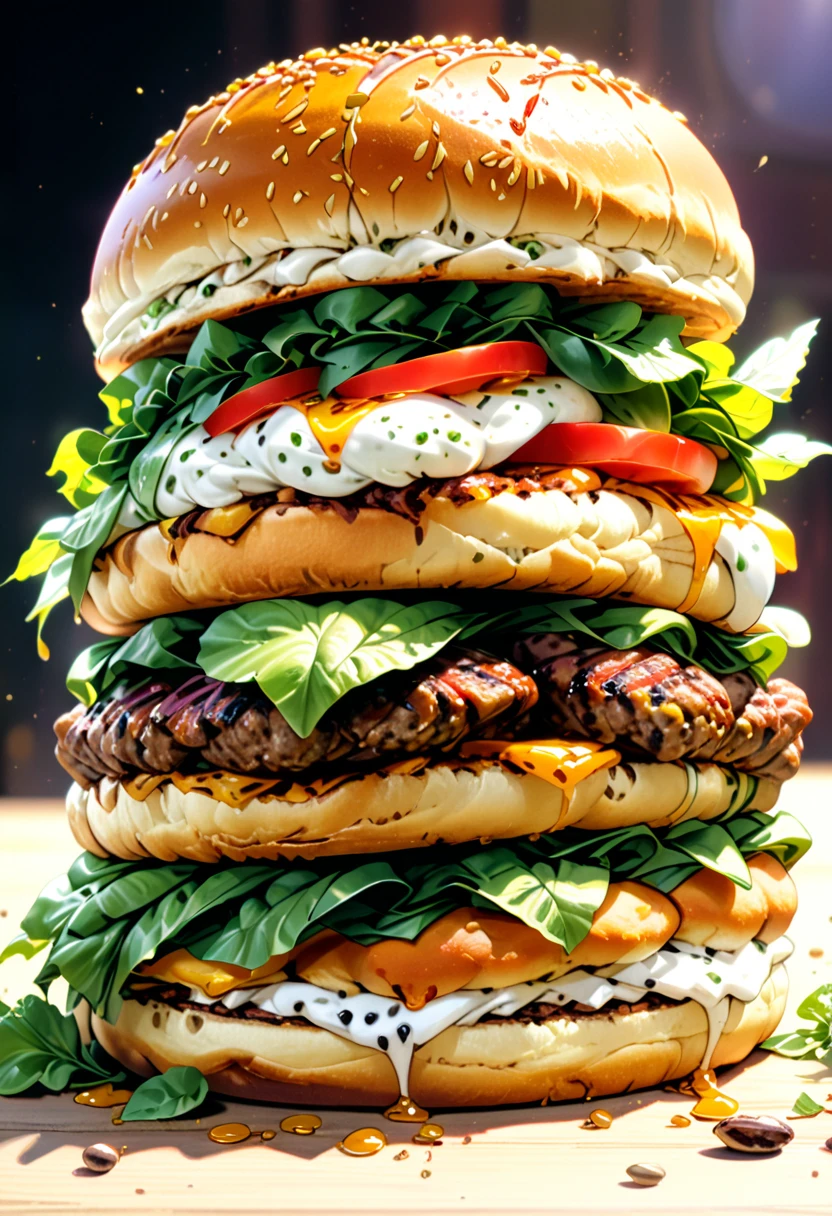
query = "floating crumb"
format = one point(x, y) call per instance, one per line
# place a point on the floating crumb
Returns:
point(816, 952)
point(402, 1156)
point(466, 1139)
point(426, 1173)
point(139, 1190)
point(763, 161)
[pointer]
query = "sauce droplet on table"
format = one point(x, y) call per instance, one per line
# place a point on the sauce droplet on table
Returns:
point(712, 1104)
point(406, 1111)
point(429, 1133)
point(363, 1142)
point(229, 1133)
point(104, 1095)
point(300, 1125)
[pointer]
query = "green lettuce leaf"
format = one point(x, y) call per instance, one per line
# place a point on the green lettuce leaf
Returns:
point(106, 917)
point(305, 657)
point(809, 1042)
point(167, 643)
point(41, 1045)
point(172, 1093)
point(43, 551)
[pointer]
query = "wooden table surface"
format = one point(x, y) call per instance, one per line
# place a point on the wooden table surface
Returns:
point(520, 1160)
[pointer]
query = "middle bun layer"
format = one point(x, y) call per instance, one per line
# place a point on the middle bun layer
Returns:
point(708, 559)
point(445, 802)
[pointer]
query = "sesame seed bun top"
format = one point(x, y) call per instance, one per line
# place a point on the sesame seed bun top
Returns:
point(396, 162)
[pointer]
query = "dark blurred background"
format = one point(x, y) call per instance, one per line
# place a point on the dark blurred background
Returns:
point(94, 84)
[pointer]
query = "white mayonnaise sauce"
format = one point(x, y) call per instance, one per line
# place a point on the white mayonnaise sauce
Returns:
point(420, 435)
point(679, 971)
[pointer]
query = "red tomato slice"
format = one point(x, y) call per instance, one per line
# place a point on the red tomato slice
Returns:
point(451, 371)
point(646, 457)
point(261, 398)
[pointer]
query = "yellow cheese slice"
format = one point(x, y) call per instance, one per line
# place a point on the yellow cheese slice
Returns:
point(213, 979)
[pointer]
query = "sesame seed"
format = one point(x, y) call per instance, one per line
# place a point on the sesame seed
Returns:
point(297, 196)
point(505, 162)
point(366, 193)
point(435, 129)
point(296, 111)
point(165, 215)
point(212, 164)
point(316, 143)
point(224, 167)
point(192, 188)
point(285, 158)
point(147, 240)
point(202, 200)
point(540, 178)
point(299, 129)
point(514, 175)
point(202, 164)
point(356, 100)
point(336, 177)
point(489, 159)
point(439, 156)
point(270, 191)
point(468, 170)
point(226, 209)
point(406, 113)
point(329, 205)
point(172, 190)
point(421, 150)
point(394, 185)
point(197, 223)
point(530, 179)
point(238, 215)
point(278, 152)
point(243, 222)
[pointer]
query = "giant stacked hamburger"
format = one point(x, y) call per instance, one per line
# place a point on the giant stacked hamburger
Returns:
point(434, 746)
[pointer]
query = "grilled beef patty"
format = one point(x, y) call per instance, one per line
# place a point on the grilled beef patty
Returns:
point(649, 702)
point(158, 729)
point(642, 701)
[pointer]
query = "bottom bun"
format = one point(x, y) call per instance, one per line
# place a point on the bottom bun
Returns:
point(492, 1063)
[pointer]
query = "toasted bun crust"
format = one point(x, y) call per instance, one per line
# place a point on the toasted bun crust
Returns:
point(490, 1063)
point(463, 144)
point(599, 543)
point(443, 803)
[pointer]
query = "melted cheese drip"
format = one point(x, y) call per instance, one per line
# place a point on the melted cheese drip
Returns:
point(212, 979)
point(679, 971)
point(560, 763)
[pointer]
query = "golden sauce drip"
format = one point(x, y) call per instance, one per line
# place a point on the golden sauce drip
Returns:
point(116, 1121)
point(429, 1133)
point(229, 1133)
point(104, 1095)
point(300, 1125)
point(712, 1104)
point(406, 1111)
point(600, 1119)
point(680, 1121)
point(268, 1134)
point(331, 421)
point(557, 761)
point(364, 1142)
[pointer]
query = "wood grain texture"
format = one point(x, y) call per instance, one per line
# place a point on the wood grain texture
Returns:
point(520, 1160)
